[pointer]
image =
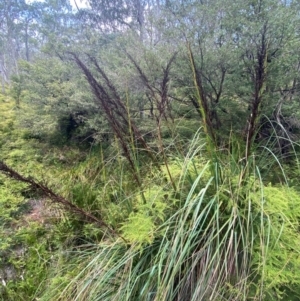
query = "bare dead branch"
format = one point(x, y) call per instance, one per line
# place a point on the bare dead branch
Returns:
point(55, 198)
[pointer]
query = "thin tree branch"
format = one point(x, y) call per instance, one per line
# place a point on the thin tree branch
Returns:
point(55, 198)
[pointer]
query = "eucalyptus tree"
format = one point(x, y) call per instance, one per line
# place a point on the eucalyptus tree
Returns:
point(244, 42)
point(121, 15)
point(216, 46)
point(25, 28)
point(18, 33)
point(10, 12)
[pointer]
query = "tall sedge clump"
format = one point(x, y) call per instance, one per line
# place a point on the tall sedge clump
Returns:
point(228, 235)
point(202, 100)
point(259, 78)
point(116, 113)
point(161, 108)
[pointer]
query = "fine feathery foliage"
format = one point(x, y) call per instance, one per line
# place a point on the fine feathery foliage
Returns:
point(228, 236)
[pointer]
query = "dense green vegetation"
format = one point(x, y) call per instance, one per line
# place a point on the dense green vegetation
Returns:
point(149, 150)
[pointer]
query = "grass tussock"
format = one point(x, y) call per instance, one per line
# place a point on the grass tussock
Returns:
point(200, 222)
point(226, 234)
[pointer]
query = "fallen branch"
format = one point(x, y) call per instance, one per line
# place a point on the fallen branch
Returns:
point(55, 198)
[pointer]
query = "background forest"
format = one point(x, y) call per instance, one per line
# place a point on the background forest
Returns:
point(149, 150)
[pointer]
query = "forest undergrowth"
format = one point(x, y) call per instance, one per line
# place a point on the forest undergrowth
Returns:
point(149, 150)
point(198, 222)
